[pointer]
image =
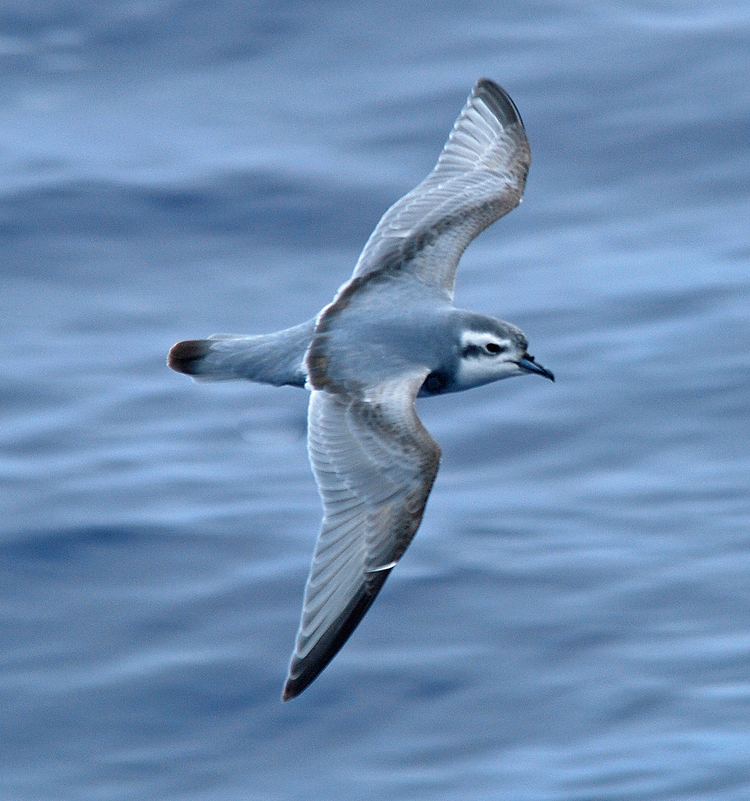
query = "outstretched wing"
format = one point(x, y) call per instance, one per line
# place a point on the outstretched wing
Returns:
point(479, 177)
point(375, 464)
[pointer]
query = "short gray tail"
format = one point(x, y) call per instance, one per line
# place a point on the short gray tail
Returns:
point(276, 358)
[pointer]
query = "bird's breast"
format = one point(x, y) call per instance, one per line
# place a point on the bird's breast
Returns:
point(436, 383)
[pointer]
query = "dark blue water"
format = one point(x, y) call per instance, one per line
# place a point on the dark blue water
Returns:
point(572, 622)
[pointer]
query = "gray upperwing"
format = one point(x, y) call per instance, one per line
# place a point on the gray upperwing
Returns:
point(479, 177)
point(374, 464)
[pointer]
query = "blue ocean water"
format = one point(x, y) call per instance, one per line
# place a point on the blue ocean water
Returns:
point(572, 622)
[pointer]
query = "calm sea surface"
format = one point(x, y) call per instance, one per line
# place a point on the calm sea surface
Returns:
point(572, 622)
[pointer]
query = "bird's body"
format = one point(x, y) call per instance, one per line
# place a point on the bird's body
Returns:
point(391, 334)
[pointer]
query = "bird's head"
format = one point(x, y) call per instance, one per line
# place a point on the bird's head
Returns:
point(490, 350)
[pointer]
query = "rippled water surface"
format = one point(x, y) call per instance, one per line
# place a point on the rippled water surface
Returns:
point(572, 622)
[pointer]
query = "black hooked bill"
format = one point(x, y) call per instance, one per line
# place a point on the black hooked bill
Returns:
point(529, 364)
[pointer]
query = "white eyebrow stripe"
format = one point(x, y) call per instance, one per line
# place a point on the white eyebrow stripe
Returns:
point(482, 338)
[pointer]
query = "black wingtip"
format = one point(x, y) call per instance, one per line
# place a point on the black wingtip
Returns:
point(184, 357)
point(497, 95)
point(302, 673)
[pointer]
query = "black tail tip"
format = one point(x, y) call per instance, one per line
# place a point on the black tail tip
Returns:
point(184, 357)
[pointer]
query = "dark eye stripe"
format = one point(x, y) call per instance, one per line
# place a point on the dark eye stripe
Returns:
point(471, 351)
point(476, 351)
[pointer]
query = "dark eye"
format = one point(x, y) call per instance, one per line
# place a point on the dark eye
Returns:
point(493, 347)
